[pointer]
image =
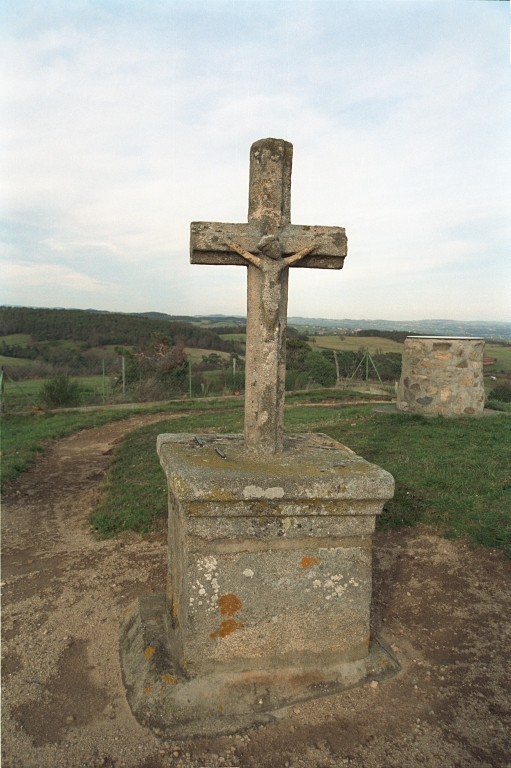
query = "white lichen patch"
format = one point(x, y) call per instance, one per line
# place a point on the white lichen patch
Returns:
point(332, 584)
point(209, 588)
point(255, 492)
point(248, 573)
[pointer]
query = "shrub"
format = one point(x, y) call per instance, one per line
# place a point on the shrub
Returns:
point(502, 394)
point(61, 391)
point(321, 371)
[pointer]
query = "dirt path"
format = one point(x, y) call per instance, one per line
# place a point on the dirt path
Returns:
point(444, 608)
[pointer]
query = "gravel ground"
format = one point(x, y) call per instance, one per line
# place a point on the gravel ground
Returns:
point(441, 605)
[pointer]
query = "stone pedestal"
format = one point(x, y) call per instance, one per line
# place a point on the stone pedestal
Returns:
point(269, 584)
point(442, 375)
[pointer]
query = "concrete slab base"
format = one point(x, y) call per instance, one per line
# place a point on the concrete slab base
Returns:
point(226, 699)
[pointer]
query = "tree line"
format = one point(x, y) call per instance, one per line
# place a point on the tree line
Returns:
point(99, 329)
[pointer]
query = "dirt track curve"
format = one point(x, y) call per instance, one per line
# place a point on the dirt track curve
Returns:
point(442, 606)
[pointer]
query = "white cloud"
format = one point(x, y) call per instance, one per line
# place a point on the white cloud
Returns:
point(16, 276)
point(125, 126)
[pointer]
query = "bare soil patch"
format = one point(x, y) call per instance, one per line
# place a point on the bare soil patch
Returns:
point(441, 605)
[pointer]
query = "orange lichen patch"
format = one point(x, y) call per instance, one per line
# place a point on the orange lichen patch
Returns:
point(220, 707)
point(149, 653)
point(170, 679)
point(226, 628)
point(148, 689)
point(128, 610)
point(367, 642)
point(174, 608)
point(384, 662)
point(308, 561)
point(229, 604)
point(157, 618)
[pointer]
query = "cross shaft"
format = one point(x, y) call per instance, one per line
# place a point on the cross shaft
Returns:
point(268, 245)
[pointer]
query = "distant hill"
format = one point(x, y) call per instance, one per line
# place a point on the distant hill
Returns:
point(99, 329)
point(488, 329)
point(500, 331)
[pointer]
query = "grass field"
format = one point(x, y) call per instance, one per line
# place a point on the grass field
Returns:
point(21, 339)
point(12, 361)
point(234, 336)
point(195, 354)
point(354, 343)
point(453, 474)
point(503, 355)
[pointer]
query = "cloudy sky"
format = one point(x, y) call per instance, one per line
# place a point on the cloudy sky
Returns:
point(125, 120)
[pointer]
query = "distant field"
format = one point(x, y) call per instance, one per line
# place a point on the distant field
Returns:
point(503, 355)
point(196, 354)
point(234, 336)
point(17, 338)
point(14, 361)
point(353, 343)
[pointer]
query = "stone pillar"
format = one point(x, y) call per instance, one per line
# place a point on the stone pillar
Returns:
point(269, 584)
point(442, 375)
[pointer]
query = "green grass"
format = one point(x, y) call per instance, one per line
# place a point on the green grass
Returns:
point(25, 436)
point(12, 361)
point(353, 343)
point(453, 474)
point(20, 339)
point(136, 488)
point(501, 353)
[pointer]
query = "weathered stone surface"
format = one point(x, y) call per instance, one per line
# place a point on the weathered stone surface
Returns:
point(269, 582)
point(268, 245)
point(454, 382)
point(223, 700)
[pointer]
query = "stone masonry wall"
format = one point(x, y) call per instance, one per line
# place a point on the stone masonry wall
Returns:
point(441, 375)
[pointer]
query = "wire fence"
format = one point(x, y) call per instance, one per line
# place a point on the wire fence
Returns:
point(191, 381)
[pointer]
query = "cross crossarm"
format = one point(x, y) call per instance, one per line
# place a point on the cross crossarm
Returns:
point(330, 245)
point(210, 241)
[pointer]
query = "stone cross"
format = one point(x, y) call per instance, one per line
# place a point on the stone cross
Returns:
point(268, 245)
